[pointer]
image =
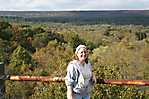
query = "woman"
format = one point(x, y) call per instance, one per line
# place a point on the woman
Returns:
point(79, 78)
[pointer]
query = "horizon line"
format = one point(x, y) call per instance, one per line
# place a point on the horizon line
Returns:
point(77, 10)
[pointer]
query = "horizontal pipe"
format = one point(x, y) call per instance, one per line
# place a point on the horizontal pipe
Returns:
point(62, 79)
point(37, 78)
point(127, 82)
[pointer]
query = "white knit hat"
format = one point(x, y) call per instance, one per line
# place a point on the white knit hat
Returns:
point(78, 48)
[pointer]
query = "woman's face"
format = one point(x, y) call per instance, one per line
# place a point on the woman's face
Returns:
point(82, 54)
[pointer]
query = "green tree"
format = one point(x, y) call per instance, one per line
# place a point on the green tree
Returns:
point(76, 41)
point(40, 40)
point(21, 61)
point(5, 31)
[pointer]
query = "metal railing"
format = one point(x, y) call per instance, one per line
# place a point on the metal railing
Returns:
point(62, 79)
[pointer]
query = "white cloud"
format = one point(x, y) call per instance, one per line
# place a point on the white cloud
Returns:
point(116, 4)
point(72, 4)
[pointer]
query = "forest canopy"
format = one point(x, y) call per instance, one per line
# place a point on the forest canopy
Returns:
point(45, 49)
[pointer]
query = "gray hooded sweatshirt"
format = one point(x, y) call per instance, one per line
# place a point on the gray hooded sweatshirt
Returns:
point(75, 78)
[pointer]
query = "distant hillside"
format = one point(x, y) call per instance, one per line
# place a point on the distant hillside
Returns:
point(139, 17)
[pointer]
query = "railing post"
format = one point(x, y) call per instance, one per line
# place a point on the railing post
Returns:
point(2, 81)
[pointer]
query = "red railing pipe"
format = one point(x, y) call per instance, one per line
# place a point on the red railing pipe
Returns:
point(62, 79)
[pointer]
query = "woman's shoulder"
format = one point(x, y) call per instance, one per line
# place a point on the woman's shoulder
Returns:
point(73, 62)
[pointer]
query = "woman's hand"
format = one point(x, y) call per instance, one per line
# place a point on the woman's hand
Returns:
point(93, 79)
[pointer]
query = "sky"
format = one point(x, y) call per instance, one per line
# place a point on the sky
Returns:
point(72, 5)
